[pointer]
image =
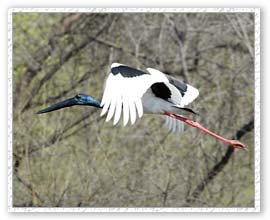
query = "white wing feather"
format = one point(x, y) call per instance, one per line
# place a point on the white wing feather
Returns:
point(122, 95)
point(191, 94)
point(126, 92)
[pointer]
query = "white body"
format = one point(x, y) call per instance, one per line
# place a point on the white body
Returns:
point(132, 95)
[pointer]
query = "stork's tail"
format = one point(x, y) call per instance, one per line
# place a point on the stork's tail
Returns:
point(185, 111)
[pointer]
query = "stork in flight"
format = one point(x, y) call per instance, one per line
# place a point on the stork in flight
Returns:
point(132, 92)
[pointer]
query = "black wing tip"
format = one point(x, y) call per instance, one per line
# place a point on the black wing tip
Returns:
point(126, 71)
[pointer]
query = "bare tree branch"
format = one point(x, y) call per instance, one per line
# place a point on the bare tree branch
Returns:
point(220, 165)
point(30, 188)
point(64, 58)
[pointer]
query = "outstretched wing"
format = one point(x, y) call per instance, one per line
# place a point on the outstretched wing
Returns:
point(188, 92)
point(124, 89)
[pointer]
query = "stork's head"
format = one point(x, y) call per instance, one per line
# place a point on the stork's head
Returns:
point(80, 99)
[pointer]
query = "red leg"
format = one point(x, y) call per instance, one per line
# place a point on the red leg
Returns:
point(233, 143)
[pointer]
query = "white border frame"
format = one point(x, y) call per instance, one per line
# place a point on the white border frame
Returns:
point(256, 11)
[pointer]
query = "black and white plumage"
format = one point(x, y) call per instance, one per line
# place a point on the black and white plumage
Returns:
point(135, 92)
point(132, 92)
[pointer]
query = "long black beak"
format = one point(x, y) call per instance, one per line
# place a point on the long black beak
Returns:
point(66, 103)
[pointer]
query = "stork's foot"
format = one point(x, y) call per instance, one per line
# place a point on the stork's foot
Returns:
point(232, 143)
point(238, 144)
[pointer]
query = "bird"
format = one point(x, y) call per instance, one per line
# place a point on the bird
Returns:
point(131, 92)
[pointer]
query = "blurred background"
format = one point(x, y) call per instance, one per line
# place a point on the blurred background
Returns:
point(72, 158)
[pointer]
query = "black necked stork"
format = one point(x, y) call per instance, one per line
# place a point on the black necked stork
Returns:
point(135, 92)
